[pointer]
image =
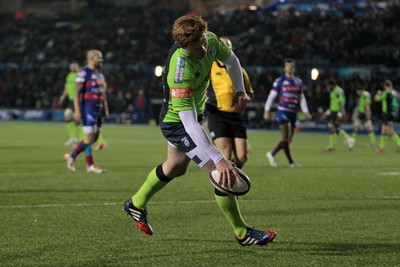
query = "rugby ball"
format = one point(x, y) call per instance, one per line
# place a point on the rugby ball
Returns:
point(240, 186)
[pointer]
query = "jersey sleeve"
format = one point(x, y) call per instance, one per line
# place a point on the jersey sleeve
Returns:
point(80, 78)
point(247, 83)
point(275, 85)
point(221, 50)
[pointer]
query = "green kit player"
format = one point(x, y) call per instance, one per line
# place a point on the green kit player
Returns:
point(185, 81)
point(390, 111)
point(336, 112)
point(75, 131)
point(363, 110)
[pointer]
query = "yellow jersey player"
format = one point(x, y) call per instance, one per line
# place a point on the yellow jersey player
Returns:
point(226, 125)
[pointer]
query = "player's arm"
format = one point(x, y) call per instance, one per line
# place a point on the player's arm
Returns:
point(77, 100)
point(63, 95)
point(200, 138)
point(304, 106)
point(268, 104)
point(247, 84)
point(235, 73)
point(105, 102)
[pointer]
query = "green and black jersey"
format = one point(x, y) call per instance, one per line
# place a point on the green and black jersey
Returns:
point(186, 78)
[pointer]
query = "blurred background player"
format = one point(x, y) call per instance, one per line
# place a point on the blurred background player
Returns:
point(390, 109)
point(363, 111)
point(226, 125)
point(90, 103)
point(335, 115)
point(75, 131)
point(185, 81)
point(289, 88)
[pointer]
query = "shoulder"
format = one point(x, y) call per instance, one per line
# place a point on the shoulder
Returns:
point(297, 80)
point(277, 82)
point(83, 72)
point(210, 36)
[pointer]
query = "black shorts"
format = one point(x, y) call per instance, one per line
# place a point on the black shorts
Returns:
point(70, 104)
point(362, 117)
point(176, 134)
point(226, 124)
point(333, 120)
point(388, 118)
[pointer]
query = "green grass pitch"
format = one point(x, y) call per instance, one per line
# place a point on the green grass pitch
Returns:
point(338, 209)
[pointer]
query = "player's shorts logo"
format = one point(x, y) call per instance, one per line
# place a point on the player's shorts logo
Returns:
point(185, 142)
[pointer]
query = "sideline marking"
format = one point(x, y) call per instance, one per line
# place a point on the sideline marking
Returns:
point(184, 202)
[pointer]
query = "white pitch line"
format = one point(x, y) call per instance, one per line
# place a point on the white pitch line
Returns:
point(184, 202)
point(389, 173)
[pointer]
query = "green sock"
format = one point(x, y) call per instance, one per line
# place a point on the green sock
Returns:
point(343, 133)
point(71, 129)
point(395, 139)
point(382, 141)
point(332, 140)
point(101, 139)
point(230, 208)
point(151, 186)
point(354, 135)
point(372, 138)
point(79, 132)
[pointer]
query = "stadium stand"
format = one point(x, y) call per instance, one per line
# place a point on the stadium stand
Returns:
point(356, 42)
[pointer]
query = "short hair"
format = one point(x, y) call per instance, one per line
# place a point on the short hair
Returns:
point(188, 29)
point(289, 60)
point(332, 82)
point(387, 83)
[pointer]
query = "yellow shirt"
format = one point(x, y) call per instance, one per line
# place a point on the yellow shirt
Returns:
point(221, 91)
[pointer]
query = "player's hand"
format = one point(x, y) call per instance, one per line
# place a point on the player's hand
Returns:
point(77, 117)
point(340, 115)
point(327, 113)
point(240, 101)
point(308, 115)
point(226, 170)
point(266, 115)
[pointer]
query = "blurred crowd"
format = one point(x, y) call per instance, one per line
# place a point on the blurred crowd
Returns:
point(35, 51)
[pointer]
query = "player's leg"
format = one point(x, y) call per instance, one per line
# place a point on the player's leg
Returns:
point(225, 145)
point(392, 133)
point(286, 133)
point(101, 142)
point(371, 134)
point(230, 208)
point(92, 136)
point(349, 141)
point(68, 118)
point(175, 166)
point(356, 128)
point(240, 151)
point(333, 129)
point(382, 138)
